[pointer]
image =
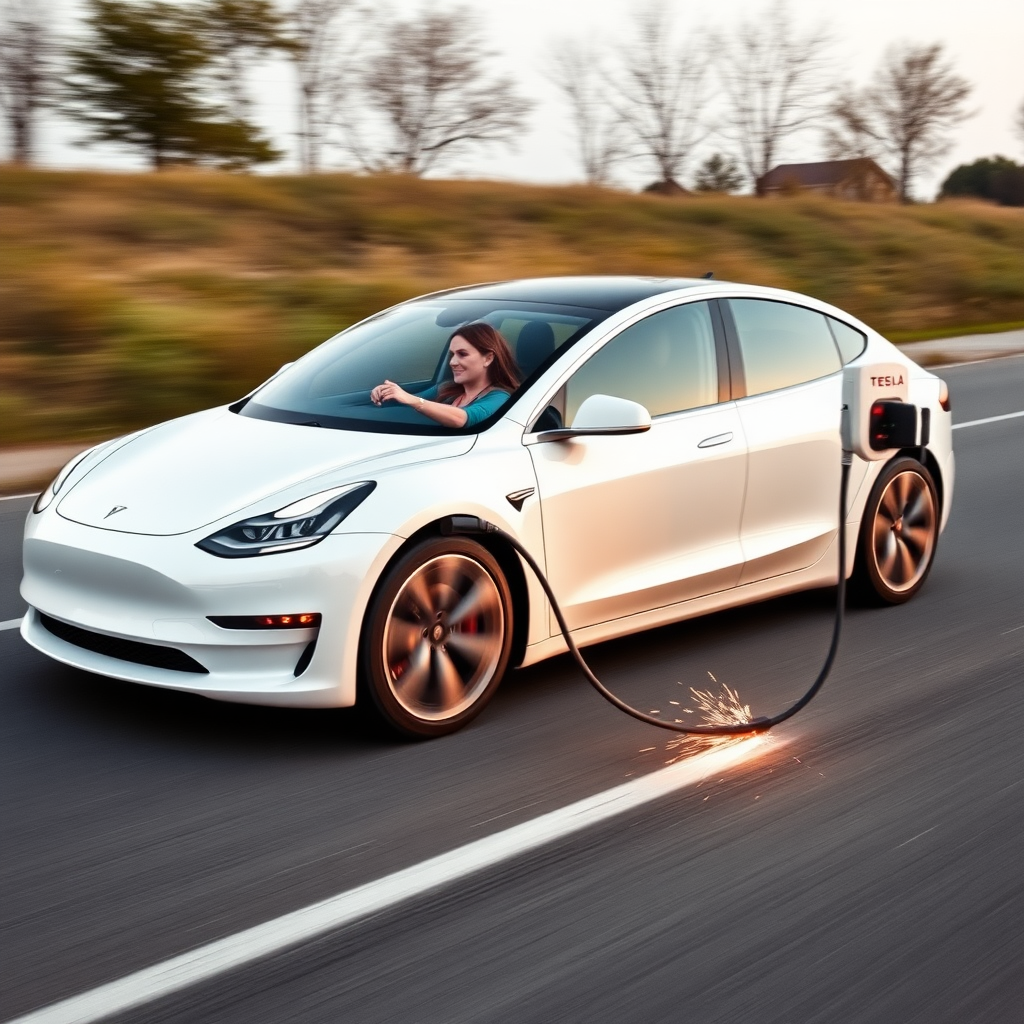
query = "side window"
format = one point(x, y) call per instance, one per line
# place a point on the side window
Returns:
point(851, 342)
point(782, 344)
point(665, 362)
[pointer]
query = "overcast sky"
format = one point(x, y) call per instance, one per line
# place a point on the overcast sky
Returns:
point(984, 38)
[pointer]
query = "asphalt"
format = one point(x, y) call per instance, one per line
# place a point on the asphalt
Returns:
point(864, 867)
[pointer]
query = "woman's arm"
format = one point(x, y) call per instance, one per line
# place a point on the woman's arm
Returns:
point(485, 406)
point(446, 415)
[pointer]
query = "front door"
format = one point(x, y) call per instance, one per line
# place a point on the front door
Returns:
point(640, 521)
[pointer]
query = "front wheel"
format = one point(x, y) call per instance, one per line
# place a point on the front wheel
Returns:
point(898, 533)
point(438, 637)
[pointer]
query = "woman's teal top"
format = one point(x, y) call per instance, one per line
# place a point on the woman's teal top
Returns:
point(479, 409)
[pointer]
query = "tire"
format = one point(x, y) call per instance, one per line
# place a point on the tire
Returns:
point(898, 534)
point(438, 637)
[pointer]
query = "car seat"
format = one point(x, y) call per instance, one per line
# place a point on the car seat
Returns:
point(536, 342)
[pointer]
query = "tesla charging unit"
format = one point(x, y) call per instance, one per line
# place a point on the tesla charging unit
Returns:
point(876, 421)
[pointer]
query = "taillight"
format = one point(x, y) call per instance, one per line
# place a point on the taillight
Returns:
point(944, 403)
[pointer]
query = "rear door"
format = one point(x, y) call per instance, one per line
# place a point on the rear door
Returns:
point(787, 365)
point(644, 520)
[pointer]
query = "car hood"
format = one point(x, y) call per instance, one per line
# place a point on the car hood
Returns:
point(190, 472)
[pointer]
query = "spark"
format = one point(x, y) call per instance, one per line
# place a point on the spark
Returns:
point(716, 708)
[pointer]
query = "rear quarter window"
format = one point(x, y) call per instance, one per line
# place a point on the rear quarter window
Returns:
point(851, 342)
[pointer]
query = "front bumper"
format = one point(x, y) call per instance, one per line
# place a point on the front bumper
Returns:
point(158, 592)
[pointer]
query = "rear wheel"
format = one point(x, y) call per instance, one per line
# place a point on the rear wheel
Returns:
point(438, 637)
point(898, 533)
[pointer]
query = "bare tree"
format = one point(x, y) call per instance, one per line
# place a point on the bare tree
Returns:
point(661, 93)
point(773, 78)
point(431, 94)
point(238, 32)
point(578, 72)
point(26, 70)
point(909, 110)
point(849, 135)
point(1019, 123)
point(317, 30)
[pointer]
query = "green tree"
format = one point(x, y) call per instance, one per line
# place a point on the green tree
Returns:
point(718, 174)
point(995, 178)
point(140, 78)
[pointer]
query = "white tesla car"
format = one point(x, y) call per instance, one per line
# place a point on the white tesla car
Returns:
point(674, 450)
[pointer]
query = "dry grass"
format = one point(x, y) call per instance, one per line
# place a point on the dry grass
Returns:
point(125, 299)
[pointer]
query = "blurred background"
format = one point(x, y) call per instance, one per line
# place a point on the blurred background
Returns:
point(196, 192)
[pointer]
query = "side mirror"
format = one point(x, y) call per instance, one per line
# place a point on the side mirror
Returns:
point(603, 414)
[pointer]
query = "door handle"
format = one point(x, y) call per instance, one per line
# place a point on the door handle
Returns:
point(710, 442)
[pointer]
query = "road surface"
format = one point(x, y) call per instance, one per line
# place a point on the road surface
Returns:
point(863, 866)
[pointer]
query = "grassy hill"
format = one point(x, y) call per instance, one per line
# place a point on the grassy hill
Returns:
point(129, 298)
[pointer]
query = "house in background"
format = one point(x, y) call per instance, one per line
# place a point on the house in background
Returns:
point(844, 179)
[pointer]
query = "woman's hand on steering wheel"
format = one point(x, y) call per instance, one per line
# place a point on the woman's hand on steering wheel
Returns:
point(389, 390)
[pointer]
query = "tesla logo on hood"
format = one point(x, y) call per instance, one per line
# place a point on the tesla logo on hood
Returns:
point(114, 510)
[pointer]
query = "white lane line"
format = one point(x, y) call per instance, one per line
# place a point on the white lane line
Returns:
point(302, 925)
point(15, 497)
point(918, 836)
point(988, 419)
point(10, 624)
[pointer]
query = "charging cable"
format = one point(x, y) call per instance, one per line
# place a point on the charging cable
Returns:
point(475, 525)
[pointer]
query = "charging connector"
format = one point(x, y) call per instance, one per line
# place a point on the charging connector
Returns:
point(879, 418)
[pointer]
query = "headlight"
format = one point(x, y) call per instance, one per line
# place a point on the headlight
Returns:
point(54, 488)
point(298, 525)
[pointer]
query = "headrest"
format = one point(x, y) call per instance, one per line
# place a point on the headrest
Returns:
point(535, 343)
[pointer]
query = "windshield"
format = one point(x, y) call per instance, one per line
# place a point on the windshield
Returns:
point(330, 386)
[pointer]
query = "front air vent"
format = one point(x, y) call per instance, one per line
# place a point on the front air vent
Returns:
point(124, 650)
point(305, 658)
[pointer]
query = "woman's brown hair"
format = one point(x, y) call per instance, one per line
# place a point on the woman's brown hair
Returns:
point(502, 374)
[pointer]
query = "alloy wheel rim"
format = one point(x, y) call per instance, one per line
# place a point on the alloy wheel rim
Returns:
point(443, 637)
point(904, 531)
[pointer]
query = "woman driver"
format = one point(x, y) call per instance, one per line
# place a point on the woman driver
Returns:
point(484, 373)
